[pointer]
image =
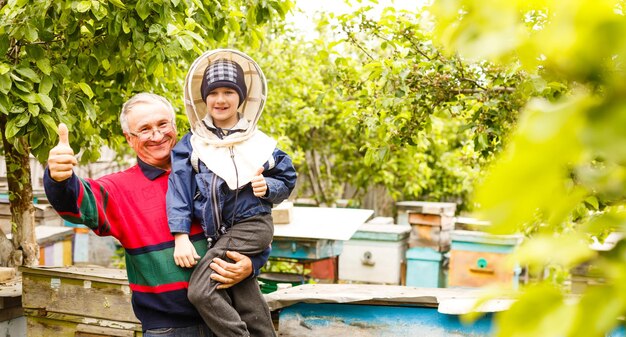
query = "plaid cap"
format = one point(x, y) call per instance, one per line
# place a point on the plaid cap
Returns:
point(223, 73)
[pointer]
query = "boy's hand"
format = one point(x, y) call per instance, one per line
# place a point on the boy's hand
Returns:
point(61, 158)
point(185, 254)
point(259, 186)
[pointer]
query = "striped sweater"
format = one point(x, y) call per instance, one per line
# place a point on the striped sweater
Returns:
point(130, 206)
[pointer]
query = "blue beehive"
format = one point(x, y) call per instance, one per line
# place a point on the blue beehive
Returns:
point(425, 268)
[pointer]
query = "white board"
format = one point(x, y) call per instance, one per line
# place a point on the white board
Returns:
point(323, 223)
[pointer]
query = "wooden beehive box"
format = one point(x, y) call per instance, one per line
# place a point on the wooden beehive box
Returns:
point(431, 223)
point(375, 254)
point(72, 301)
point(478, 259)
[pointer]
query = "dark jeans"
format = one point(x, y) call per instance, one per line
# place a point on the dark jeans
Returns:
point(190, 331)
point(241, 309)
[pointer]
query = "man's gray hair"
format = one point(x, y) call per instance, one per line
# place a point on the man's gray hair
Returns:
point(140, 98)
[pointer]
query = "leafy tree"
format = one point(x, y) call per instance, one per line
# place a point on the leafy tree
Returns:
point(374, 103)
point(562, 178)
point(76, 62)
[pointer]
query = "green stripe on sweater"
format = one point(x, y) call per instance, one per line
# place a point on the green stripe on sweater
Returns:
point(158, 267)
point(88, 208)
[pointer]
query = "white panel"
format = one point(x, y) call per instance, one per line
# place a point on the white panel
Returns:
point(372, 261)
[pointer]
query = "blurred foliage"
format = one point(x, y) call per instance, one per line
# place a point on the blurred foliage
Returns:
point(561, 180)
point(373, 102)
point(287, 266)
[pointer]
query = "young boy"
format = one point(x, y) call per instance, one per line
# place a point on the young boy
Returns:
point(227, 174)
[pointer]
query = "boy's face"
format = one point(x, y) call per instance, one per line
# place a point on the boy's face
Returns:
point(222, 105)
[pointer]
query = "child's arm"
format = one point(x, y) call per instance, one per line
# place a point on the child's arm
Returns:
point(280, 178)
point(185, 254)
point(179, 198)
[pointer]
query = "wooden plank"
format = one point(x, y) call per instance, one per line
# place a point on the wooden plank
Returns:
point(367, 294)
point(98, 274)
point(45, 324)
point(86, 330)
point(73, 294)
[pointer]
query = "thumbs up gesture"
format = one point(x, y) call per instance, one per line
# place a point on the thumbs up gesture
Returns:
point(61, 158)
point(259, 185)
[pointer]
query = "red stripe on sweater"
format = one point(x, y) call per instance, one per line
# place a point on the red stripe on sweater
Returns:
point(160, 288)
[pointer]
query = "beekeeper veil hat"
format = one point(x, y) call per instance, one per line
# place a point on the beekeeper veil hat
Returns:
point(224, 67)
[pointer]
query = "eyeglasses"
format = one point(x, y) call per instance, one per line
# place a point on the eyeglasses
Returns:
point(147, 133)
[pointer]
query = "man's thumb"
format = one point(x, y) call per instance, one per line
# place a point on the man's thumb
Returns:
point(259, 171)
point(63, 134)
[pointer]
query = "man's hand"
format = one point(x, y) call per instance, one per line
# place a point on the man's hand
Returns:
point(259, 186)
point(185, 254)
point(229, 274)
point(61, 158)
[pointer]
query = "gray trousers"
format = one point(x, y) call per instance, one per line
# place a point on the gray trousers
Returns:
point(241, 309)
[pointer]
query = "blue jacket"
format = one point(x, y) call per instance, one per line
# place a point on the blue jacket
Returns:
point(206, 196)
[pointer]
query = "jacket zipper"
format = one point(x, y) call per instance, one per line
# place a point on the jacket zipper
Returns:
point(217, 216)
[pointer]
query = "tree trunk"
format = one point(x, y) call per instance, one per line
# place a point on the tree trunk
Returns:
point(25, 249)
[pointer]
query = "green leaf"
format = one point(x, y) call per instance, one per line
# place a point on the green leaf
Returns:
point(28, 98)
point(593, 202)
point(33, 109)
point(5, 83)
point(21, 120)
point(44, 65)
point(86, 89)
point(31, 34)
point(23, 86)
point(4, 42)
point(63, 70)
point(45, 101)
point(4, 68)
point(83, 6)
point(98, 11)
point(125, 27)
point(46, 85)
point(35, 139)
point(49, 124)
point(5, 104)
point(186, 42)
point(88, 108)
point(143, 9)
point(172, 29)
point(118, 3)
point(12, 129)
point(28, 73)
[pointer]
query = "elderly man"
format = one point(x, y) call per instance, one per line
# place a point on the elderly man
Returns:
point(130, 206)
